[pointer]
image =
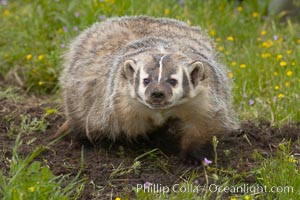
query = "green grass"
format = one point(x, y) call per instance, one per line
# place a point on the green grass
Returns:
point(262, 54)
point(281, 171)
point(28, 179)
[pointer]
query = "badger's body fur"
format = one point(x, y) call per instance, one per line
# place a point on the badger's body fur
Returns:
point(130, 75)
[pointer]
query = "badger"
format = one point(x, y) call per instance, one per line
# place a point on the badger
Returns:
point(128, 76)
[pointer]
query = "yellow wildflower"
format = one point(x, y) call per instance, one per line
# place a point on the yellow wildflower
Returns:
point(298, 41)
point(40, 83)
point(29, 56)
point(220, 48)
point(247, 197)
point(110, 1)
point(289, 52)
point(267, 44)
point(230, 38)
point(232, 198)
point(31, 189)
point(230, 74)
point(279, 56)
point(6, 13)
point(118, 198)
point(287, 84)
point(242, 65)
point(289, 73)
point(292, 159)
point(240, 8)
point(167, 11)
point(255, 14)
point(275, 73)
point(218, 39)
point(293, 63)
point(212, 33)
point(277, 87)
point(265, 55)
point(280, 39)
point(41, 57)
point(280, 96)
point(60, 30)
point(283, 64)
point(233, 63)
point(263, 32)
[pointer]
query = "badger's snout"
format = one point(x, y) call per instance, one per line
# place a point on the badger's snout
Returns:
point(158, 95)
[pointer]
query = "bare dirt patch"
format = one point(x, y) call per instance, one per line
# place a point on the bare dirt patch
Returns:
point(109, 167)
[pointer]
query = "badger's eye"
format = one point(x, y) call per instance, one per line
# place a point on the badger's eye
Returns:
point(173, 82)
point(146, 81)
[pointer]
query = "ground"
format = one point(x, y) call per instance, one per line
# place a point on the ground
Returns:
point(110, 167)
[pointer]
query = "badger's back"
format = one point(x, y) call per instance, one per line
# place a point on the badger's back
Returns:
point(105, 40)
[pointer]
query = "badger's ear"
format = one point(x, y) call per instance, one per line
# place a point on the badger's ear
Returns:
point(198, 72)
point(129, 68)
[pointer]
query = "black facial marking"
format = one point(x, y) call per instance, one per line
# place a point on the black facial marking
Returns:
point(185, 84)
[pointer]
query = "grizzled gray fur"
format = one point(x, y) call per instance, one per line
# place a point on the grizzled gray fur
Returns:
point(130, 75)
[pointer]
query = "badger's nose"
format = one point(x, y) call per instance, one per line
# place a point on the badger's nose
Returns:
point(158, 95)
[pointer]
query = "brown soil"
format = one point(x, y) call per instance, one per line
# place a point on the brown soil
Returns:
point(162, 166)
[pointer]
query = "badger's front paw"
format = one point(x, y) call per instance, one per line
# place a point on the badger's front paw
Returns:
point(195, 154)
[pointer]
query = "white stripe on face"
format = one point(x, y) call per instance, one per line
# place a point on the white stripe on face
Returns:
point(142, 88)
point(160, 68)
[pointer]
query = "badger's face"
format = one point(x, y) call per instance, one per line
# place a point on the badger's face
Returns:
point(161, 81)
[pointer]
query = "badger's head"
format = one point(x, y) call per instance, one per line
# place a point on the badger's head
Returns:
point(162, 80)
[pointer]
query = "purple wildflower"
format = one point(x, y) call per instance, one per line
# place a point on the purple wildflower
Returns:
point(147, 184)
point(102, 17)
point(62, 45)
point(76, 14)
point(251, 102)
point(207, 162)
point(274, 99)
point(3, 2)
point(275, 37)
point(181, 2)
point(65, 29)
point(75, 28)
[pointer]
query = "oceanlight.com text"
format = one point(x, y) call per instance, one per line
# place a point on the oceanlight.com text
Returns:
point(213, 188)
